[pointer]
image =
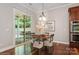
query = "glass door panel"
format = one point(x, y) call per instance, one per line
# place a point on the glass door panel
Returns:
point(23, 50)
point(19, 29)
point(28, 28)
point(28, 49)
point(19, 50)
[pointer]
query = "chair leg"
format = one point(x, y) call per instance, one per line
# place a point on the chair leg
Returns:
point(39, 51)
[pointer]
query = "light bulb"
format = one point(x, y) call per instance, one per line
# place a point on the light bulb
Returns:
point(40, 18)
point(43, 18)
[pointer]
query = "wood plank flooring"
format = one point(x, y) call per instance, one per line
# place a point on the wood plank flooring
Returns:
point(57, 49)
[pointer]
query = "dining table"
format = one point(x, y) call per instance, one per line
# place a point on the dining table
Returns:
point(41, 37)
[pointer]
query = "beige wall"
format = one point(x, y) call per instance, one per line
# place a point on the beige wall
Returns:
point(7, 33)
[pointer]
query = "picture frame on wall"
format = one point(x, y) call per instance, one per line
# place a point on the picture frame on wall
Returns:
point(50, 26)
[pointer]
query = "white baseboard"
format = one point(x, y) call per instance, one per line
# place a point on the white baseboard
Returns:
point(61, 42)
point(4, 49)
point(13, 46)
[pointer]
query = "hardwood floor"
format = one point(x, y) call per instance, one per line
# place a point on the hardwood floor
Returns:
point(61, 49)
point(57, 49)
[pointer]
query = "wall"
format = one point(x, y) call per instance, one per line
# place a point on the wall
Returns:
point(60, 15)
point(7, 39)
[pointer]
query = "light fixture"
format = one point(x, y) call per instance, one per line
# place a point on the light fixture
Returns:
point(42, 16)
point(41, 21)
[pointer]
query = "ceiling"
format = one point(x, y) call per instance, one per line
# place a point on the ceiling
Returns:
point(47, 6)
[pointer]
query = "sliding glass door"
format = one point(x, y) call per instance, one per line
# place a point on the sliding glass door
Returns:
point(23, 33)
point(23, 28)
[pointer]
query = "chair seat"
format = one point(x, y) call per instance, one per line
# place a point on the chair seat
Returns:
point(48, 43)
point(38, 45)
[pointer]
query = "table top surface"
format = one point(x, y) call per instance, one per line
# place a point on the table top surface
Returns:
point(40, 36)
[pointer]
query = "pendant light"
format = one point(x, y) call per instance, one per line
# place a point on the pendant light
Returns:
point(42, 16)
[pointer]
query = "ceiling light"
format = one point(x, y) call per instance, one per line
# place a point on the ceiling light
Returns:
point(42, 16)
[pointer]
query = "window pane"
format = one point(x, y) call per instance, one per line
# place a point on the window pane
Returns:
point(19, 29)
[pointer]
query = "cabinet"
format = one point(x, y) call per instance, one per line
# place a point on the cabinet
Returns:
point(74, 27)
point(74, 13)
